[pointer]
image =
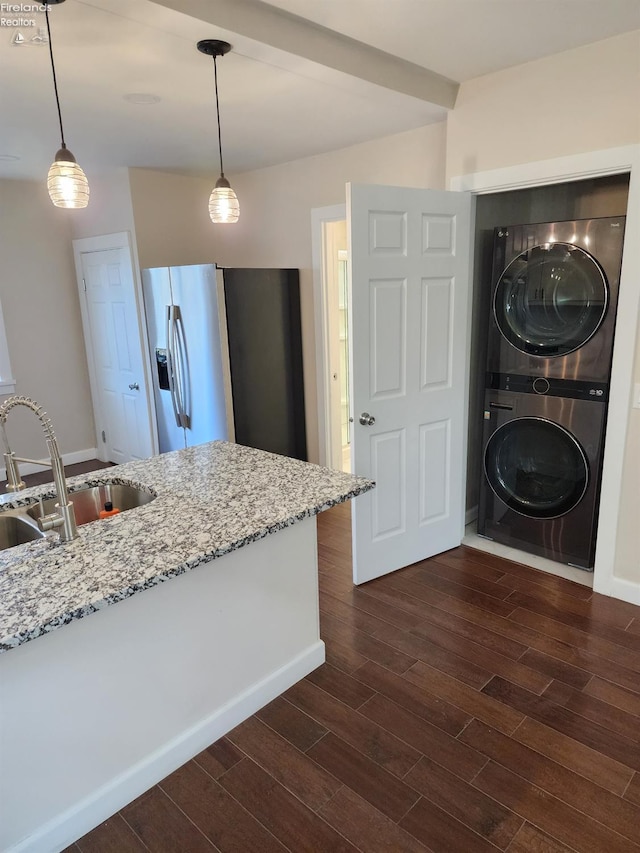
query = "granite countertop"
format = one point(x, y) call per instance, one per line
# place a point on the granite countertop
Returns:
point(210, 500)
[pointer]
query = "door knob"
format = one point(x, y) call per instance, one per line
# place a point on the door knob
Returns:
point(366, 419)
point(134, 386)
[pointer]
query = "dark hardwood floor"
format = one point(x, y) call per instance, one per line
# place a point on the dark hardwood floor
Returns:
point(467, 704)
point(70, 471)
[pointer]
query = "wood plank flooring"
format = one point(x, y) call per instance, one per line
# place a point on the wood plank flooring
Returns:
point(46, 476)
point(467, 704)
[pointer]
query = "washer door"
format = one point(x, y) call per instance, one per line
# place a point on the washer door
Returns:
point(536, 467)
point(551, 299)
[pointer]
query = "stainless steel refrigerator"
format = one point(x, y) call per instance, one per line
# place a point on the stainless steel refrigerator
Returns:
point(231, 335)
point(183, 326)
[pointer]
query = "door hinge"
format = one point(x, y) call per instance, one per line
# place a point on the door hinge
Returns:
point(84, 284)
point(104, 437)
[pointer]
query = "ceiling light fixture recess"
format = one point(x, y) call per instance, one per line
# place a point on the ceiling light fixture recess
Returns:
point(223, 202)
point(66, 182)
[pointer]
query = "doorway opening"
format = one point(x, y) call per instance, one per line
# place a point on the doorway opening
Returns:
point(336, 274)
point(598, 193)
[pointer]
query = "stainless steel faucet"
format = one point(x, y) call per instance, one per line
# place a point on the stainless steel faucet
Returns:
point(64, 518)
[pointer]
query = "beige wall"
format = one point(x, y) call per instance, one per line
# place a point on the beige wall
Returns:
point(109, 210)
point(42, 316)
point(275, 216)
point(171, 215)
point(578, 101)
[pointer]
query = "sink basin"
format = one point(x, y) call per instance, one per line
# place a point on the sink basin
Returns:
point(88, 502)
point(16, 529)
point(18, 526)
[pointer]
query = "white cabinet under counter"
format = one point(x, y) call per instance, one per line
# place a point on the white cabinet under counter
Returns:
point(216, 612)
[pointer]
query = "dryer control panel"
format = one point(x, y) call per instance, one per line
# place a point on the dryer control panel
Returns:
point(548, 386)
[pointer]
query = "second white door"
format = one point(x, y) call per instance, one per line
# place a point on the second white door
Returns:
point(410, 285)
point(114, 349)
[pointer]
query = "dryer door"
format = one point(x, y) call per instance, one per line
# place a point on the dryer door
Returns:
point(536, 467)
point(551, 299)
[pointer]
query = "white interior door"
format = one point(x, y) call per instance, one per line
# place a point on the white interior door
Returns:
point(410, 253)
point(114, 348)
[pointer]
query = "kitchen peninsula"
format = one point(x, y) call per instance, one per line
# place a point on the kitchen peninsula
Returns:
point(128, 650)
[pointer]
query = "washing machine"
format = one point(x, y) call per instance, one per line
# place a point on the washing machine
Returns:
point(542, 462)
point(554, 298)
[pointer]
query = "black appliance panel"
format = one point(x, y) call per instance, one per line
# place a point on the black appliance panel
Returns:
point(265, 354)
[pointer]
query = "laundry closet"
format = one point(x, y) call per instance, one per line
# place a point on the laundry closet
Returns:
point(547, 268)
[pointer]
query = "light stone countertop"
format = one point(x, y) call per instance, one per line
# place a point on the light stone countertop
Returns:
point(210, 500)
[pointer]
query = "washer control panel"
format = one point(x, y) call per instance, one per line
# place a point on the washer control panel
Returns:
point(549, 386)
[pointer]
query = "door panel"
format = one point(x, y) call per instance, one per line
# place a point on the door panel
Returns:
point(119, 317)
point(434, 467)
point(388, 338)
point(410, 256)
point(436, 334)
point(389, 508)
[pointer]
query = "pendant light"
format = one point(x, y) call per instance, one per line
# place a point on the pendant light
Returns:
point(66, 182)
point(223, 202)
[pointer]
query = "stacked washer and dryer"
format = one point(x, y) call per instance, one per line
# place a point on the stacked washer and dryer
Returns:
point(554, 298)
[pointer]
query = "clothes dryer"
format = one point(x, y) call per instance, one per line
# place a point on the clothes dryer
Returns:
point(554, 298)
point(542, 461)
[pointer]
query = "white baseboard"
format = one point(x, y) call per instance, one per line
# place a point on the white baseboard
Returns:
point(625, 590)
point(67, 459)
point(73, 824)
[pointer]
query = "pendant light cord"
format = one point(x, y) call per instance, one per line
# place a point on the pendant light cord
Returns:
point(55, 82)
point(215, 78)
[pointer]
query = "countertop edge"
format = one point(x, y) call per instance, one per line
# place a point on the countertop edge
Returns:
point(62, 619)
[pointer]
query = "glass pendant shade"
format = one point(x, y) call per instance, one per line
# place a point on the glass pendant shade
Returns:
point(223, 202)
point(66, 182)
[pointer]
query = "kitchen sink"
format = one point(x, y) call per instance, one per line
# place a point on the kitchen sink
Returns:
point(18, 526)
point(88, 502)
point(16, 529)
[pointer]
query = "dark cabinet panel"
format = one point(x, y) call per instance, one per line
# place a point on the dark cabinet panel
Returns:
point(265, 352)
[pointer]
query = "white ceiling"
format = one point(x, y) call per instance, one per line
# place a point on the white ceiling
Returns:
point(276, 105)
point(462, 39)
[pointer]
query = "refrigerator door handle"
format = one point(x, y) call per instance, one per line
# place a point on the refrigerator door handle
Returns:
point(171, 311)
point(181, 361)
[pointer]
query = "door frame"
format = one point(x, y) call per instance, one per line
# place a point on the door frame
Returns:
point(576, 167)
point(104, 242)
point(319, 216)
